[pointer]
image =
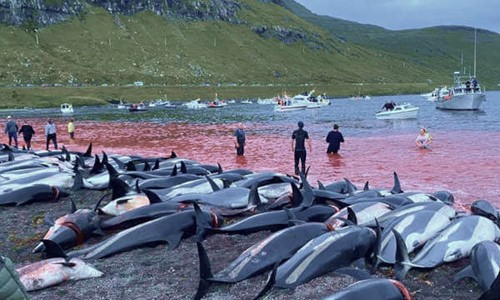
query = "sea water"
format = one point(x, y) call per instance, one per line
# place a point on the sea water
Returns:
point(463, 158)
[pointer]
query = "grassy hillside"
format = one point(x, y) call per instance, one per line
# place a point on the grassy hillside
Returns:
point(269, 51)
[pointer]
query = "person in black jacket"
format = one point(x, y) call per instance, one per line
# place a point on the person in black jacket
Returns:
point(28, 132)
point(334, 138)
point(299, 137)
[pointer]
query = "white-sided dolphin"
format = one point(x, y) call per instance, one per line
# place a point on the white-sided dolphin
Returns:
point(452, 243)
point(373, 289)
point(484, 264)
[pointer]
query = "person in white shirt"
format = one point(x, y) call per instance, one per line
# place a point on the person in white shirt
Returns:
point(423, 139)
point(51, 134)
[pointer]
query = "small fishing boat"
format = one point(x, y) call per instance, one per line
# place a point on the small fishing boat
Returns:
point(399, 112)
point(138, 107)
point(195, 104)
point(290, 106)
point(66, 108)
point(168, 104)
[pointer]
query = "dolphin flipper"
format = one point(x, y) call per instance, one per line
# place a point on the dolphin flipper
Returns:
point(464, 273)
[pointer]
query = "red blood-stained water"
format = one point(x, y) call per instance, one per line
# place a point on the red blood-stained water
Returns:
point(468, 169)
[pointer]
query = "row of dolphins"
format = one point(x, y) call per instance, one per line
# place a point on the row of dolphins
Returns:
point(334, 227)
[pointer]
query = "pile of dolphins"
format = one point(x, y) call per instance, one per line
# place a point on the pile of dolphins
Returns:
point(334, 227)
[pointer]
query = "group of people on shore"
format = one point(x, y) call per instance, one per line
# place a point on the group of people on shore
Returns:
point(12, 130)
point(300, 136)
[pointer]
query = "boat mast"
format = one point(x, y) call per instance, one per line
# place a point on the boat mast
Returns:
point(475, 39)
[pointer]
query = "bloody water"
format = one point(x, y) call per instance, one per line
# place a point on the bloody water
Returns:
point(467, 163)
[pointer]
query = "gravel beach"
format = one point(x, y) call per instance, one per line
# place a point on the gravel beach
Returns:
point(159, 273)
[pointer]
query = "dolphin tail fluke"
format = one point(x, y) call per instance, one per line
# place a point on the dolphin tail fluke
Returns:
point(77, 181)
point(307, 191)
point(53, 249)
point(147, 167)
point(173, 154)
point(403, 263)
point(493, 292)
point(174, 240)
point(205, 272)
point(254, 199)
point(297, 197)
point(396, 189)
point(270, 282)
point(201, 229)
point(377, 248)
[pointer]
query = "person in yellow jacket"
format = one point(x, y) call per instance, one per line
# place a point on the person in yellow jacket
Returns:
point(71, 130)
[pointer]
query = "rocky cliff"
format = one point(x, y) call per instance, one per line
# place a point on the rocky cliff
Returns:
point(39, 13)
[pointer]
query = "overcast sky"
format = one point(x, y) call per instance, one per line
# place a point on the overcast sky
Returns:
point(407, 14)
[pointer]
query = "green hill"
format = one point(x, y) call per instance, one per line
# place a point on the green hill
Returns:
point(263, 44)
point(444, 49)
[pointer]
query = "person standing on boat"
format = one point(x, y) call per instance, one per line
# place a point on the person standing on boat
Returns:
point(334, 138)
point(50, 134)
point(11, 130)
point(28, 132)
point(239, 139)
point(299, 138)
point(424, 139)
point(71, 130)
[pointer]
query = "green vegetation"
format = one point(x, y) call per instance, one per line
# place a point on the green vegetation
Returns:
point(270, 51)
point(45, 97)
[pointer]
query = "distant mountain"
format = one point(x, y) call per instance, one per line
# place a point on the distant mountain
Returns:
point(219, 42)
point(445, 49)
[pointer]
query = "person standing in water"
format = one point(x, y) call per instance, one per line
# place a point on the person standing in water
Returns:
point(334, 138)
point(424, 139)
point(11, 130)
point(50, 134)
point(71, 130)
point(239, 139)
point(28, 132)
point(299, 138)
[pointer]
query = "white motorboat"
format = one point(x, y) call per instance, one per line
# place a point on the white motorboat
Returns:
point(195, 104)
point(400, 111)
point(290, 106)
point(462, 96)
point(466, 93)
point(122, 105)
point(310, 100)
point(168, 104)
point(66, 108)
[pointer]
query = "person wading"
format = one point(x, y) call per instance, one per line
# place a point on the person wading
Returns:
point(299, 138)
point(239, 140)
